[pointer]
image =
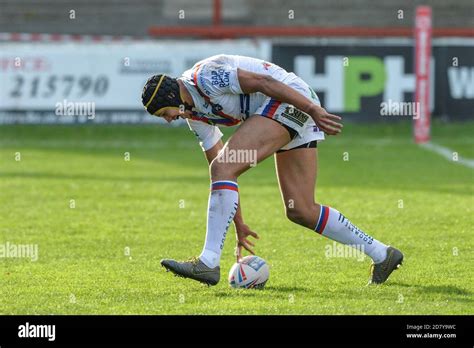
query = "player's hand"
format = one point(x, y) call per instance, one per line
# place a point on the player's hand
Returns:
point(327, 122)
point(243, 232)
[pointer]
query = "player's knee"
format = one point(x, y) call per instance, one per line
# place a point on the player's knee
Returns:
point(221, 170)
point(297, 216)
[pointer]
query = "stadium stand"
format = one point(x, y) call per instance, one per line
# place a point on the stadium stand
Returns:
point(119, 17)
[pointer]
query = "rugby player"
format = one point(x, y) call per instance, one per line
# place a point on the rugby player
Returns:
point(279, 114)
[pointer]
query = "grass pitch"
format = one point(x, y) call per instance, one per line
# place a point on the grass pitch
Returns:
point(103, 223)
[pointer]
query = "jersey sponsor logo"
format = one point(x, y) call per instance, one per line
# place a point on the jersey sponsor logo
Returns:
point(216, 108)
point(202, 86)
point(293, 114)
point(220, 77)
point(209, 119)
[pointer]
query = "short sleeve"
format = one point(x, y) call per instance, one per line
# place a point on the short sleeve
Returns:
point(208, 135)
point(215, 78)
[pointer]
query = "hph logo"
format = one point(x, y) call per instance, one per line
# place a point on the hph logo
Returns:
point(37, 331)
point(347, 81)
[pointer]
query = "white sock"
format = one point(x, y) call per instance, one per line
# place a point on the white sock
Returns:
point(336, 226)
point(223, 203)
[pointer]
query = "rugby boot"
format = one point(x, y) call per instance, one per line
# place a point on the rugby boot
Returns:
point(195, 269)
point(381, 271)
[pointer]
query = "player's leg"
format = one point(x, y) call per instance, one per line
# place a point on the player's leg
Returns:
point(256, 139)
point(296, 171)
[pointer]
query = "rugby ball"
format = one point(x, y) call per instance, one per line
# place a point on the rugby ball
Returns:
point(251, 272)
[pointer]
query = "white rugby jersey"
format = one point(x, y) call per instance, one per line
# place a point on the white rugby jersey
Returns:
point(218, 99)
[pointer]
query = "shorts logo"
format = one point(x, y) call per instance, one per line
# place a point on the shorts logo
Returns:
point(295, 115)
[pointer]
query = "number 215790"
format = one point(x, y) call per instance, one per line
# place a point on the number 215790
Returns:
point(59, 86)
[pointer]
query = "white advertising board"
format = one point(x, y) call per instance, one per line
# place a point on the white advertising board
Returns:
point(37, 76)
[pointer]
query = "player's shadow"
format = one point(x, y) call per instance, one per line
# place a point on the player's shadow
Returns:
point(439, 289)
point(287, 289)
point(98, 177)
point(281, 290)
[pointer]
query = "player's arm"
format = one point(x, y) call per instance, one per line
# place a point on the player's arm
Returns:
point(242, 230)
point(252, 82)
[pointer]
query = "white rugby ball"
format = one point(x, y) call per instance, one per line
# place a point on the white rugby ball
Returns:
point(251, 272)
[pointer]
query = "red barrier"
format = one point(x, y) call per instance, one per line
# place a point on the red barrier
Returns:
point(229, 32)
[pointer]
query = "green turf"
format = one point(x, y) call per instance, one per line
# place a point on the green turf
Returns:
point(82, 266)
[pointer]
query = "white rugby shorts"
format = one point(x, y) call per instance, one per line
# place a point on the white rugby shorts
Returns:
point(307, 131)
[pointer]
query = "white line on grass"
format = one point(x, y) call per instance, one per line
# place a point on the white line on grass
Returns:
point(448, 154)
